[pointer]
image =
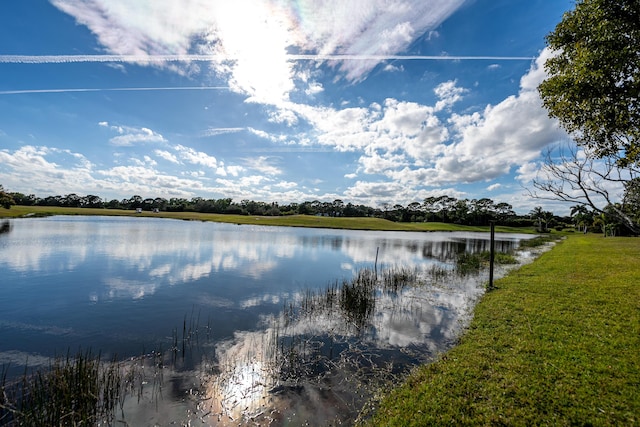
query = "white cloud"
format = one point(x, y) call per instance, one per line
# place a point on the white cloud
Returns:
point(220, 131)
point(508, 134)
point(46, 170)
point(392, 192)
point(33, 171)
point(527, 172)
point(256, 36)
point(263, 164)
point(194, 174)
point(373, 27)
point(234, 170)
point(493, 187)
point(408, 142)
point(366, 190)
point(286, 184)
point(417, 145)
point(194, 157)
point(314, 88)
point(449, 93)
point(144, 27)
point(245, 187)
point(266, 135)
point(376, 163)
point(393, 68)
point(129, 135)
point(167, 156)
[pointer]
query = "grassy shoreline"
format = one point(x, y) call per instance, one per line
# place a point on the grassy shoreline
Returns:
point(357, 223)
point(558, 343)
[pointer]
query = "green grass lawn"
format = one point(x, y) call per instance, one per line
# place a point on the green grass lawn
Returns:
point(286, 221)
point(558, 343)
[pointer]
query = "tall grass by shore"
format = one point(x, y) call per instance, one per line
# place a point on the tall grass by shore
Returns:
point(78, 390)
point(557, 343)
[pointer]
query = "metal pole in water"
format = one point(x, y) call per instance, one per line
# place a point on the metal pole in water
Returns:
point(492, 253)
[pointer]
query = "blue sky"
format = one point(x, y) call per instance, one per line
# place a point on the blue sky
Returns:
point(367, 101)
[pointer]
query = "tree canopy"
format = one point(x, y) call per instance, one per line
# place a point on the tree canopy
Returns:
point(594, 77)
point(5, 199)
point(592, 88)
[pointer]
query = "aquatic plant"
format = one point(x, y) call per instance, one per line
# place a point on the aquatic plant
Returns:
point(78, 390)
point(538, 241)
point(470, 263)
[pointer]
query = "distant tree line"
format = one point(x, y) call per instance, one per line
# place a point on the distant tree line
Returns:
point(433, 209)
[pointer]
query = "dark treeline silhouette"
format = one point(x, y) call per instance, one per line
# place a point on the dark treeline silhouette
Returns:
point(433, 209)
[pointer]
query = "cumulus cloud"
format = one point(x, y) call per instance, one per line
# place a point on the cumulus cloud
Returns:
point(286, 184)
point(263, 165)
point(167, 156)
point(508, 134)
point(194, 157)
point(186, 155)
point(410, 143)
point(40, 169)
point(51, 171)
point(448, 93)
point(129, 135)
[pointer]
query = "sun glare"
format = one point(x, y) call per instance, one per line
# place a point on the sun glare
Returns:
point(259, 57)
point(241, 388)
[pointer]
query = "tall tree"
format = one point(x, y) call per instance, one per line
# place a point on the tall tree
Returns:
point(592, 89)
point(338, 207)
point(594, 77)
point(631, 199)
point(582, 217)
point(5, 199)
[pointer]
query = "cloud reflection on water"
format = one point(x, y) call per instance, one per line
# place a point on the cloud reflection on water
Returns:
point(241, 277)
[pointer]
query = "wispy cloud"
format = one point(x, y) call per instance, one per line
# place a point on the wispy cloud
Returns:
point(220, 131)
point(66, 59)
point(113, 89)
point(257, 46)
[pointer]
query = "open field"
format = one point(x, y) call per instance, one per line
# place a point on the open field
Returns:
point(285, 221)
point(558, 343)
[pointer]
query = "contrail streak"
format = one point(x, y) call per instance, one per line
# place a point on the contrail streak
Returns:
point(68, 59)
point(115, 89)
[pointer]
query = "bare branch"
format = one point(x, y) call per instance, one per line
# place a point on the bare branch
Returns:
point(575, 175)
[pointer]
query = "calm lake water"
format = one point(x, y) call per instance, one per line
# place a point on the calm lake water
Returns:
point(130, 286)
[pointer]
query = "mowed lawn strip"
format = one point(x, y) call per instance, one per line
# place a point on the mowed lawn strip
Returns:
point(558, 343)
